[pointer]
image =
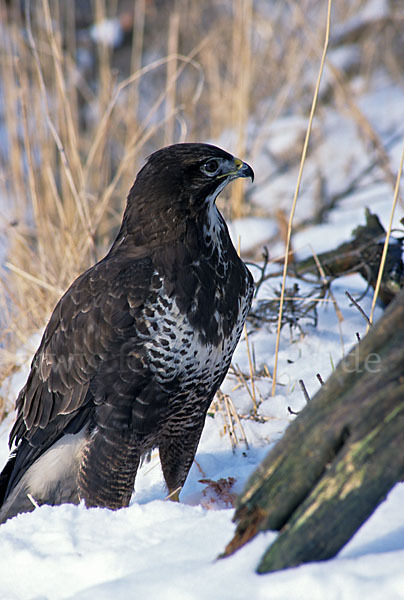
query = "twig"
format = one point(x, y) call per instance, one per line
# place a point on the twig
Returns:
point(267, 371)
point(321, 380)
point(235, 413)
point(265, 256)
point(304, 390)
point(228, 410)
point(232, 431)
point(32, 500)
point(237, 419)
point(334, 302)
point(240, 375)
point(358, 306)
point(254, 398)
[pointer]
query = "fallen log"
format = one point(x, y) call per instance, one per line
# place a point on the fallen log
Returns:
point(362, 254)
point(337, 461)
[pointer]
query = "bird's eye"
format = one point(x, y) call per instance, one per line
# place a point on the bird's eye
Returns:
point(211, 167)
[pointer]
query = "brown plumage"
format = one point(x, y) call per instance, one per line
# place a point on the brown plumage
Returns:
point(138, 345)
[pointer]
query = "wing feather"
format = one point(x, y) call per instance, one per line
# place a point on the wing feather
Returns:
point(82, 339)
point(31, 407)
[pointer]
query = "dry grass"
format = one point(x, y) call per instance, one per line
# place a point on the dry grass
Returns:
point(76, 133)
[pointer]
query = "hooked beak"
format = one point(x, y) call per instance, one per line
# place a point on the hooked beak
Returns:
point(233, 169)
point(243, 169)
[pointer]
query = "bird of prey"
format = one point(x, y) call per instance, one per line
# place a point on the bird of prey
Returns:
point(138, 345)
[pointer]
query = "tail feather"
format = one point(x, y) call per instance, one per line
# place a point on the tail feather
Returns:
point(5, 477)
point(50, 479)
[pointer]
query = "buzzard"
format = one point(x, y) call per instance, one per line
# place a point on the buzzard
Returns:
point(138, 345)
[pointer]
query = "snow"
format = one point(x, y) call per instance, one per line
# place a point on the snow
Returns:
point(251, 233)
point(338, 153)
point(168, 551)
point(108, 32)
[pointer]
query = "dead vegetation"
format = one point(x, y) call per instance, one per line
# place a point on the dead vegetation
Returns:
point(218, 494)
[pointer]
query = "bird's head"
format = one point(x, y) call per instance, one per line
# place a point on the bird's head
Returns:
point(175, 184)
point(190, 172)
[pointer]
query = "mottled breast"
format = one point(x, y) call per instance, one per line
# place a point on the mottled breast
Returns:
point(180, 356)
point(178, 349)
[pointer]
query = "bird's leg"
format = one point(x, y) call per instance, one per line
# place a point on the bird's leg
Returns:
point(108, 470)
point(177, 451)
point(174, 495)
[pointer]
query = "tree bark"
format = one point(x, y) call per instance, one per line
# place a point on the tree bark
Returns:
point(338, 460)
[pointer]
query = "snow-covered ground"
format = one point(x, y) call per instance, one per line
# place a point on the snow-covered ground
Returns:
point(168, 551)
point(159, 549)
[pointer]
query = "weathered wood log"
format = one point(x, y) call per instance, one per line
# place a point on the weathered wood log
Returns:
point(339, 458)
point(362, 255)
